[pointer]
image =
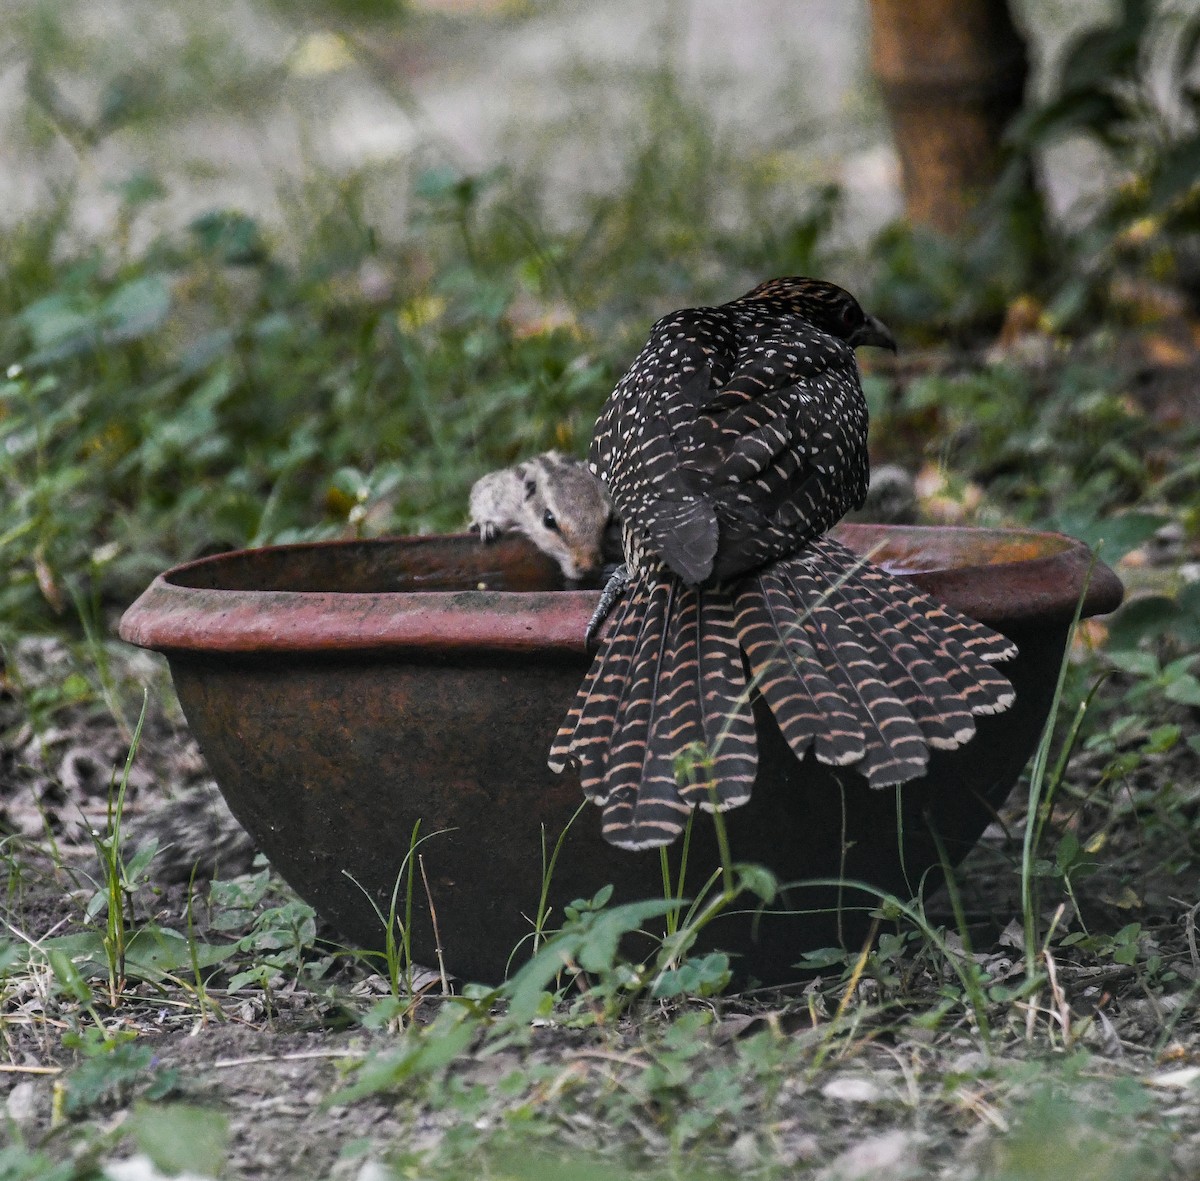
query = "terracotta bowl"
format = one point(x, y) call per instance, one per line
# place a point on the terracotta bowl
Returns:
point(342, 691)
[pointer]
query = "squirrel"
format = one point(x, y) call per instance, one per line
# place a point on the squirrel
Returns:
point(553, 500)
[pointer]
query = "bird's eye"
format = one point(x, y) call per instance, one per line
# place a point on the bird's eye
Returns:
point(549, 521)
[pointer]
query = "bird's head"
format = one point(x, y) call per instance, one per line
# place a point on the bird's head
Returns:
point(826, 306)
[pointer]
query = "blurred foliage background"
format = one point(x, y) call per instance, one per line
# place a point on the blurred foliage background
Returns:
point(280, 269)
point(285, 269)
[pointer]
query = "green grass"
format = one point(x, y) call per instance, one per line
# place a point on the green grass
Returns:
point(231, 382)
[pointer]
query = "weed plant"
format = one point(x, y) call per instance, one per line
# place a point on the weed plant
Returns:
point(218, 385)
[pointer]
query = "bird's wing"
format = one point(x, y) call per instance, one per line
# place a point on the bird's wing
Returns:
point(778, 450)
point(634, 446)
point(783, 408)
point(725, 454)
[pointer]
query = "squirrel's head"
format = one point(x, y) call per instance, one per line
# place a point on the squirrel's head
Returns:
point(566, 511)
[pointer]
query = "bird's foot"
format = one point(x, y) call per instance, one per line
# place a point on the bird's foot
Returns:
point(614, 588)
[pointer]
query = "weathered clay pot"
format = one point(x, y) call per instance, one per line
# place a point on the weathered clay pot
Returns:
point(342, 691)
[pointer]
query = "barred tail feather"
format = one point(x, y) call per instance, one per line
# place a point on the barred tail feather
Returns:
point(703, 747)
point(945, 725)
point(864, 668)
point(729, 740)
point(629, 748)
point(790, 676)
point(890, 746)
point(853, 663)
point(961, 649)
point(663, 721)
point(991, 691)
point(582, 739)
point(983, 689)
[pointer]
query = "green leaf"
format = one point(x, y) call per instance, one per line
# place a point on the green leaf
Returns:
point(181, 1137)
point(1184, 689)
point(54, 319)
point(141, 188)
point(757, 880)
point(233, 237)
point(424, 1051)
point(1162, 739)
point(1142, 618)
point(436, 184)
point(155, 951)
point(597, 947)
point(1189, 599)
point(1114, 536)
point(592, 942)
point(11, 955)
point(151, 954)
point(110, 1071)
point(1067, 852)
point(699, 976)
point(137, 308)
point(1131, 660)
point(823, 957)
point(19, 1164)
point(137, 865)
point(67, 974)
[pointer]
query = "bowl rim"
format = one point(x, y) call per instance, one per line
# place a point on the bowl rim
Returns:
point(173, 617)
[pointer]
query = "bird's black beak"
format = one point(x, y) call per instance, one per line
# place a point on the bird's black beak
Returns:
point(873, 332)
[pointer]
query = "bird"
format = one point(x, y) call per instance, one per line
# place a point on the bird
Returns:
point(729, 449)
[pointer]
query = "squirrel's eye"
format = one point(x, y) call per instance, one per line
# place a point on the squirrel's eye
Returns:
point(549, 521)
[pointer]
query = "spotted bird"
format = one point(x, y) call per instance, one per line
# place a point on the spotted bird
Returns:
point(735, 441)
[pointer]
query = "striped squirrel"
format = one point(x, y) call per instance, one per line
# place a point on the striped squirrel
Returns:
point(553, 500)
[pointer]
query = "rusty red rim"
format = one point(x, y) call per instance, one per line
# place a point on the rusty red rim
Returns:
point(1008, 578)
